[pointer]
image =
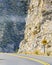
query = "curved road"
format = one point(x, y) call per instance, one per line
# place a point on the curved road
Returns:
point(6, 59)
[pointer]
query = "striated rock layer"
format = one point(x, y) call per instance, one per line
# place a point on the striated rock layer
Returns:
point(38, 32)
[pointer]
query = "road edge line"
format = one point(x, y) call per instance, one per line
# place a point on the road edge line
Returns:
point(33, 59)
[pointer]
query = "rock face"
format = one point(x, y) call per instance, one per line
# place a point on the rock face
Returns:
point(10, 35)
point(11, 7)
point(12, 24)
point(38, 32)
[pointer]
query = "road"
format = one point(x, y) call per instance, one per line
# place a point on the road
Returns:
point(6, 59)
point(47, 59)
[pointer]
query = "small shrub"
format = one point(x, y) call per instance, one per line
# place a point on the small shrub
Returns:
point(37, 52)
point(48, 53)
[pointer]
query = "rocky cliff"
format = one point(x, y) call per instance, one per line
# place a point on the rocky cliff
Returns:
point(38, 32)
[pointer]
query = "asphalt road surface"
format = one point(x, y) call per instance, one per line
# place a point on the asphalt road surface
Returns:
point(47, 59)
point(6, 59)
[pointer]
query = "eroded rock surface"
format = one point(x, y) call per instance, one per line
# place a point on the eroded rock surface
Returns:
point(38, 27)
